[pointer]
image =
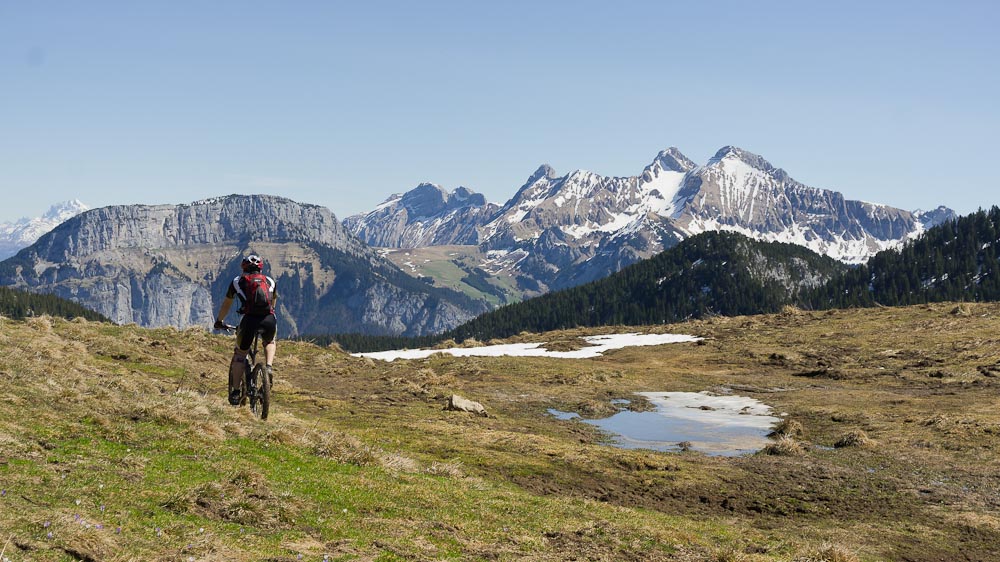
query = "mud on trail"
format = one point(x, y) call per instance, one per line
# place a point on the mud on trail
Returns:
point(917, 383)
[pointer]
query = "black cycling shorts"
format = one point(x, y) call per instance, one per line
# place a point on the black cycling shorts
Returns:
point(268, 325)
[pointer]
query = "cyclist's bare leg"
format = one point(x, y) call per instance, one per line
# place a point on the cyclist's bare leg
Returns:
point(269, 350)
point(236, 369)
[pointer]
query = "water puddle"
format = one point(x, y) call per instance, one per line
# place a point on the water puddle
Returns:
point(712, 424)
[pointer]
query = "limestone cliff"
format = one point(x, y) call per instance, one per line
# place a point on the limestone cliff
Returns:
point(168, 265)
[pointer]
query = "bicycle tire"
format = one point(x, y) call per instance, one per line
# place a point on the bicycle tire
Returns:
point(260, 395)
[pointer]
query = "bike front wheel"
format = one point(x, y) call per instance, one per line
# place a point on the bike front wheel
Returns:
point(260, 394)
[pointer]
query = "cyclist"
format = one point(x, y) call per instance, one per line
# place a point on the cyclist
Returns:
point(250, 287)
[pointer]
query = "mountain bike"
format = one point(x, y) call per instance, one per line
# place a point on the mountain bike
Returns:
point(256, 385)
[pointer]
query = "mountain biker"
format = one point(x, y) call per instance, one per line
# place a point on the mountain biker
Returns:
point(249, 323)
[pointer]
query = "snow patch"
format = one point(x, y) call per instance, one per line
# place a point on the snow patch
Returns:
point(599, 345)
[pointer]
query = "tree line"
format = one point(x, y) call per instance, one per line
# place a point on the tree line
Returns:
point(954, 261)
point(18, 304)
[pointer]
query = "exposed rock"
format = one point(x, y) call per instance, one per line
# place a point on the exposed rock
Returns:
point(457, 403)
point(424, 216)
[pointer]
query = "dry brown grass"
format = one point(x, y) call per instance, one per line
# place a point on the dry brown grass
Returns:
point(785, 445)
point(855, 438)
point(789, 427)
point(829, 553)
point(244, 497)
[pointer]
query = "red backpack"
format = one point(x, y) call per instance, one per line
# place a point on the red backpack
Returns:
point(257, 291)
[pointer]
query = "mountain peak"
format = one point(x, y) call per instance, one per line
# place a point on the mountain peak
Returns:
point(463, 197)
point(729, 153)
point(736, 152)
point(425, 200)
point(934, 217)
point(543, 171)
point(23, 233)
point(66, 209)
point(427, 187)
point(673, 160)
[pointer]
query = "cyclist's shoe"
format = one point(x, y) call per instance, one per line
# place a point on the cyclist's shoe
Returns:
point(235, 396)
point(270, 376)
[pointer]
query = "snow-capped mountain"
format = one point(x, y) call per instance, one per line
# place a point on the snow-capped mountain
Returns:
point(425, 216)
point(564, 230)
point(741, 191)
point(587, 206)
point(17, 235)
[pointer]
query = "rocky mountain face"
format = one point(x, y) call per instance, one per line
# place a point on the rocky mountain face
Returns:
point(741, 191)
point(561, 231)
point(425, 216)
point(17, 235)
point(169, 265)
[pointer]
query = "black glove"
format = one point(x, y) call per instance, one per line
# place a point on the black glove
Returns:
point(220, 325)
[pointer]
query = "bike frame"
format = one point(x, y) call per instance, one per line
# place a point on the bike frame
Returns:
point(259, 405)
point(251, 364)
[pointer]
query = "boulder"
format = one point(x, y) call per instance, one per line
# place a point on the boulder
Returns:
point(457, 403)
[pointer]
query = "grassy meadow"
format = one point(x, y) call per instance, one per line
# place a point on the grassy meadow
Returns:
point(117, 444)
point(449, 266)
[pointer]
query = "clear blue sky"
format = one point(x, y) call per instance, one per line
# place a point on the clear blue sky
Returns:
point(343, 103)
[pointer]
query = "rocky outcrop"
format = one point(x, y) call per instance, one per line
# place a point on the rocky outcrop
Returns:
point(168, 265)
point(424, 216)
point(220, 220)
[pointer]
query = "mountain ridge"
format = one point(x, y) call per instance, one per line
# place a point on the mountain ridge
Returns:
point(418, 218)
point(558, 231)
point(160, 265)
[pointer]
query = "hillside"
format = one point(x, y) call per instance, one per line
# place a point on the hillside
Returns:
point(116, 444)
point(456, 268)
point(957, 260)
point(22, 304)
point(711, 273)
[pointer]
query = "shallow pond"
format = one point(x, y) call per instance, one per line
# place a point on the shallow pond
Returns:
point(711, 424)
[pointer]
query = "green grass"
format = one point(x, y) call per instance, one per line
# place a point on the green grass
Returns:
point(360, 461)
point(448, 265)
